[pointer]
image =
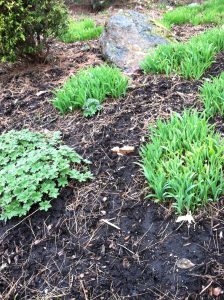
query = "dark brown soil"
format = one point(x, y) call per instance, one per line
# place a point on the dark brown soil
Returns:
point(70, 252)
point(184, 32)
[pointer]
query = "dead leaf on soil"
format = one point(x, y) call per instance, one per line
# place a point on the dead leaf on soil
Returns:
point(184, 263)
point(2, 267)
point(187, 218)
point(126, 263)
point(123, 150)
point(217, 291)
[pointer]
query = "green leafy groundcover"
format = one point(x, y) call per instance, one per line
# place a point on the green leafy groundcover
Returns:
point(89, 88)
point(33, 168)
point(184, 162)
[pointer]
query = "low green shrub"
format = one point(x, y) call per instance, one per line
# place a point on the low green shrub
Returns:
point(82, 30)
point(209, 12)
point(184, 161)
point(26, 26)
point(93, 83)
point(33, 169)
point(212, 94)
point(189, 59)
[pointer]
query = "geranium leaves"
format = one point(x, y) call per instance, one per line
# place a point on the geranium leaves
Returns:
point(33, 168)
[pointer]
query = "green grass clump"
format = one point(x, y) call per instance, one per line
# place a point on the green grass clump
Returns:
point(212, 94)
point(184, 162)
point(82, 30)
point(33, 169)
point(210, 12)
point(189, 59)
point(89, 88)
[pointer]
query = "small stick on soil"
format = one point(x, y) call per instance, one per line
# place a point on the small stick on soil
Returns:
point(207, 286)
point(84, 290)
point(8, 230)
point(126, 249)
point(111, 224)
point(7, 296)
point(135, 255)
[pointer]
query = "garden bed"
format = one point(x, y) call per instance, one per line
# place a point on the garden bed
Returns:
point(71, 252)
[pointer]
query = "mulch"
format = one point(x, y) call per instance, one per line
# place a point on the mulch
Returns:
point(103, 239)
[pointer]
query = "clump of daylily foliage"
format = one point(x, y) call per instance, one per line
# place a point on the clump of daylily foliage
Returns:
point(89, 88)
point(183, 163)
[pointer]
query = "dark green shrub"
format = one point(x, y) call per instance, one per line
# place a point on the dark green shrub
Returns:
point(27, 25)
point(33, 168)
point(184, 162)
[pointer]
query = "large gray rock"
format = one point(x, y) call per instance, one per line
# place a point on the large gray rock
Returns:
point(127, 39)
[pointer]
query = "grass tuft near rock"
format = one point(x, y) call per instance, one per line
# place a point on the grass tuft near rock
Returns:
point(189, 59)
point(89, 88)
point(209, 12)
point(183, 162)
point(82, 30)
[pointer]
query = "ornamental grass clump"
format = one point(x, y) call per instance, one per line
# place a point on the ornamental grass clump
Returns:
point(33, 169)
point(183, 163)
point(209, 12)
point(212, 95)
point(189, 59)
point(82, 30)
point(89, 88)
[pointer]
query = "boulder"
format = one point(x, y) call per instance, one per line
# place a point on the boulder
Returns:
point(127, 39)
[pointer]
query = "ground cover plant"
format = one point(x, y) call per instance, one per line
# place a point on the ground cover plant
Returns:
point(89, 88)
point(33, 169)
point(27, 26)
point(189, 59)
point(183, 162)
point(82, 30)
point(208, 12)
point(212, 95)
